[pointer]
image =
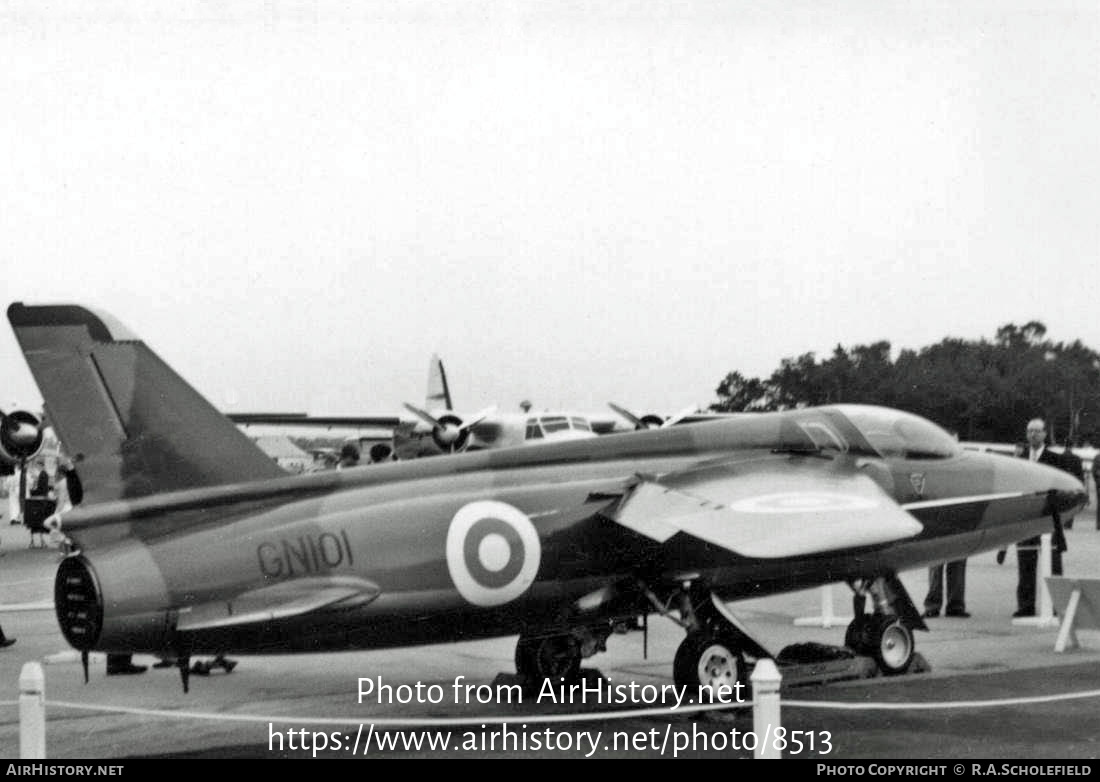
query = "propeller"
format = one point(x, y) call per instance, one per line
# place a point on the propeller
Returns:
point(648, 421)
point(450, 432)
point(675, 418)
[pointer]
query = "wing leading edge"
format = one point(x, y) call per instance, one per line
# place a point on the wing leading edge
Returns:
point(770, 507)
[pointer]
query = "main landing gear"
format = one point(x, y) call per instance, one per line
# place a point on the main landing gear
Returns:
point(711, 658)
point(717, 650)
point(710, 661)
point(558, 656)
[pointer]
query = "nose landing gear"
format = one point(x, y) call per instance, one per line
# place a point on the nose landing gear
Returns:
point(883, 637)
point(887, 634)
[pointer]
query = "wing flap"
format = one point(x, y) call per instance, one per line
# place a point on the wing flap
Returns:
point(282, 601)
point(769, 508)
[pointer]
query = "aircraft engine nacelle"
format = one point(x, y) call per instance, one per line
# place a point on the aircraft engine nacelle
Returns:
point(381, 452)
point(21, 435)
point(127, 581)
point(450, 435)
point(650, 421)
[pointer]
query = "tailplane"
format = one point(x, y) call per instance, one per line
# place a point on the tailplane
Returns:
point(135, 425)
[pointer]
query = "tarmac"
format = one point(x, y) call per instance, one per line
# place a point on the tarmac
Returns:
point(983, 658)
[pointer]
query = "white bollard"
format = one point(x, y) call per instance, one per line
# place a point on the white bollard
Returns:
point(765, 680)
point(32, 711)
point(827, 618)
point(1046, 605)
point(1044, 609)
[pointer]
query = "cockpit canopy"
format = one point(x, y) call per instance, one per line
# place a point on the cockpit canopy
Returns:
point(894, 434)
point(542, 426)
point(865, 429)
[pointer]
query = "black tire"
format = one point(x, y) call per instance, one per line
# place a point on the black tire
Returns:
point(894, 646)
point(705, 660)
point(554, 657)
point(860, 634)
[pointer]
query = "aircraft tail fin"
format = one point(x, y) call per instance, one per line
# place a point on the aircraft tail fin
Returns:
point(137, 427)
point(439, 395)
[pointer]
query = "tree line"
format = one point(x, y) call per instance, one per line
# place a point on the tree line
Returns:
point(980, 390)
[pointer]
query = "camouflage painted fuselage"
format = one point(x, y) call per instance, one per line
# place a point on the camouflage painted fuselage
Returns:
point(433, 550)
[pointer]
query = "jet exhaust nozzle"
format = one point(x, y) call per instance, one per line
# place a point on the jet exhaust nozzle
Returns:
point(124, 578)
point(78, 602)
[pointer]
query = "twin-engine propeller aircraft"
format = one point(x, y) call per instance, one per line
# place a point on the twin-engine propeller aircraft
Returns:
point(191, 541)
point(689, 415)
point(437, 428)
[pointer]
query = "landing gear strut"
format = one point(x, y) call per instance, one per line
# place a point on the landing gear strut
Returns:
point(711, 658)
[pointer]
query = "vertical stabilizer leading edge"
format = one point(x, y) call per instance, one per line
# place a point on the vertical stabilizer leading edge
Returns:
point(439, 395)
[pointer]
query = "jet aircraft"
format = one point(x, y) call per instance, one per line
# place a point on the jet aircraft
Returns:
point(190, 541)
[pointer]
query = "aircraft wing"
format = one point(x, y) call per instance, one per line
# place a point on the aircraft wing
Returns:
point(303, 419)
point(281, 601)
point(768, 507)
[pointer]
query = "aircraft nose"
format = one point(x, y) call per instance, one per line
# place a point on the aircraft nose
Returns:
point(1068, 495)
point(1065, 493)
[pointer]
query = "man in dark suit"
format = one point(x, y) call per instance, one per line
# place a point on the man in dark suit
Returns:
point(1071, 463)
point(1027, 551)
point(1096, 485)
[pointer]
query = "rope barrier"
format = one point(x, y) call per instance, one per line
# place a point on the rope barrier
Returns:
point(572, 717)
point(995, 703)
point(414, 721)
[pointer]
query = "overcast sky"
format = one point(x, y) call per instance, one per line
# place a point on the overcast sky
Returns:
point(295, 204)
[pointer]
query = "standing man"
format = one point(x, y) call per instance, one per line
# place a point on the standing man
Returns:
point(10, 480)
point(1027, 551)
point(956, 589)
point(1096, 485)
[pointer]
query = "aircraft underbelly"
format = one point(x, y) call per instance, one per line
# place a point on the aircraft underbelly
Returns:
point(401, 619)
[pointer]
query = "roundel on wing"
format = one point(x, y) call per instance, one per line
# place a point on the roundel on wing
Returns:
point(802, 502)
point(493, 552)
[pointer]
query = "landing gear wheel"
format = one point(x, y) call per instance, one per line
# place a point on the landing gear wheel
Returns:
point(553, 657)
point(709, 660)
point(860, 634)
point(893, 645)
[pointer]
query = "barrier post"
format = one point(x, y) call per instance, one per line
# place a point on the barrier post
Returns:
point(1044, 615)
point(32, 711)
point(827, 618)
point(765, 680)
point(1046, 605)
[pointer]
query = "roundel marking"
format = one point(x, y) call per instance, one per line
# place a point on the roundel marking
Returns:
point(802, 502)
point(493, 552)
